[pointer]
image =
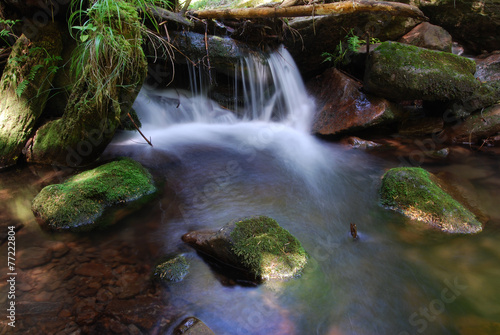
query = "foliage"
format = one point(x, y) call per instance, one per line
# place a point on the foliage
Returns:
point(208, 4)
point(343, 51)
point(173, 270)
point(6, 33)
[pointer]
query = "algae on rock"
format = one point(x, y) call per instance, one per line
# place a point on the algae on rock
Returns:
point(79, 203)
point(415, 193)
point(173, 270)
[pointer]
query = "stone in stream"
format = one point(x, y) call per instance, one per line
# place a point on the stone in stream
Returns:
point(418, 194)
point(428, 36)
point(342, 107)
point(192, 326)
point(403, 72)
point(79, 204)
point(258, 246)
point(173, 270)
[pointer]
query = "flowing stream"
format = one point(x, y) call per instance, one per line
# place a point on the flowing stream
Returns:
point(398, 278)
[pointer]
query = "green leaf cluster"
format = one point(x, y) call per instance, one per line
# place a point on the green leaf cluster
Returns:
point(345, 48)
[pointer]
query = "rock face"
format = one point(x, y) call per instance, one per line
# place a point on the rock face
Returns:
point(475, 24)
point(173, 270)
point(428, 36)
point(79, 203)
point(476, 128)
point(257, 246)
point(341, 106)
point(405, 72)
point(24, 88)
point(416, 193)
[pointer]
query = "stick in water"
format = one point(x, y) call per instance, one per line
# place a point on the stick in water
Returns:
point(140, 132)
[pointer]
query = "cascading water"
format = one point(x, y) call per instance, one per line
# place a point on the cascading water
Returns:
point(261, 160)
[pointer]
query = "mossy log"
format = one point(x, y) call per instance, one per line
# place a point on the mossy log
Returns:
point(344, 7)
point(24, 89)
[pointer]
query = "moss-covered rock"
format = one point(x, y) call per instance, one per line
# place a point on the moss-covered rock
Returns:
point(24, 87)
point(80, 202)
point(417, 194)
point(404, 72)
point(173, 270)
point(257, 245)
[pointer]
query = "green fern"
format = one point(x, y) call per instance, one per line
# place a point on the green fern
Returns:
point(22, 87)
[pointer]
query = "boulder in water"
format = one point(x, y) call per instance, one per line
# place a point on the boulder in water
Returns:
point(428, 36)
point(173, 270)
point(342, 107)
point(79, 204)
point(404, 72)
point(417, 194)
point(258, 246)
point(192, 326)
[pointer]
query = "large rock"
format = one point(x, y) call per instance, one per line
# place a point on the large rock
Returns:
point(475, 24)
point(313, 36)
point(428, 36)
point(404, 72)
point(476, 128)
point(342, 107)
point(79, 204)
point(488, 67)
point(24, 88)
point(416, 193)
point(257, 246)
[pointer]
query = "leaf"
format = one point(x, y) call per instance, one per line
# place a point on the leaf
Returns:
point(84, 38)
point(21, 87)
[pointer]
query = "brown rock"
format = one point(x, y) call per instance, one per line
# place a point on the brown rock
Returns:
point(421, 126)
point(358, 143)
point(85, 311)
point(342, 107)
point(488, 68)
point(475, 129)
point(33, 257)
point(92, 269)
point(428, 36)
point(131, 284)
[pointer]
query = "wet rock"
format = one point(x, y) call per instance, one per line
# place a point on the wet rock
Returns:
point(257, 245)
point(417, 194)
point(79, 203)
point(192, 326)
point(428, 36)
point(488, 67)
point(342, 107)
point(421, 126)
point(173, 270)
point(404, 72)
point(85, 311)
point(33, 257)
point(322, 34)
point(474, 24)
point(131, 284)
point(476, 129)
point(358, 143)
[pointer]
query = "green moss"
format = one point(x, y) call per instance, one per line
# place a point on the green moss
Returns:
point(173, 270)
point(406, 72)
point(78, 203)
point(267, 249)
point(415, 193)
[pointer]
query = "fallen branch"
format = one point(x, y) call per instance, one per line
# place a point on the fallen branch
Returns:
point(169, 16)
point(344, 7)
point(140, 132)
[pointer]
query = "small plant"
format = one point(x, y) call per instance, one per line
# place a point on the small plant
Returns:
point(352, 43)
point(6, 33)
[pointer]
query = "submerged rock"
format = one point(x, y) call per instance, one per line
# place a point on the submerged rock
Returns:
point(428, 36)
point(258, 246)
point(417, 194)
point(192, 326)
point(173, 270)
point(342, 107)
point(80, 202)
point(404, 72)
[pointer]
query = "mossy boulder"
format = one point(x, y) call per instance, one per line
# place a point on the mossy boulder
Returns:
point(258, 246)
point(24, 88)
point(91, 198)
point(173, 270)
point(398, 71)
point(417, 194)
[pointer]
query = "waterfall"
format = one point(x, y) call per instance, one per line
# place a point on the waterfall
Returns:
point(271, 87)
